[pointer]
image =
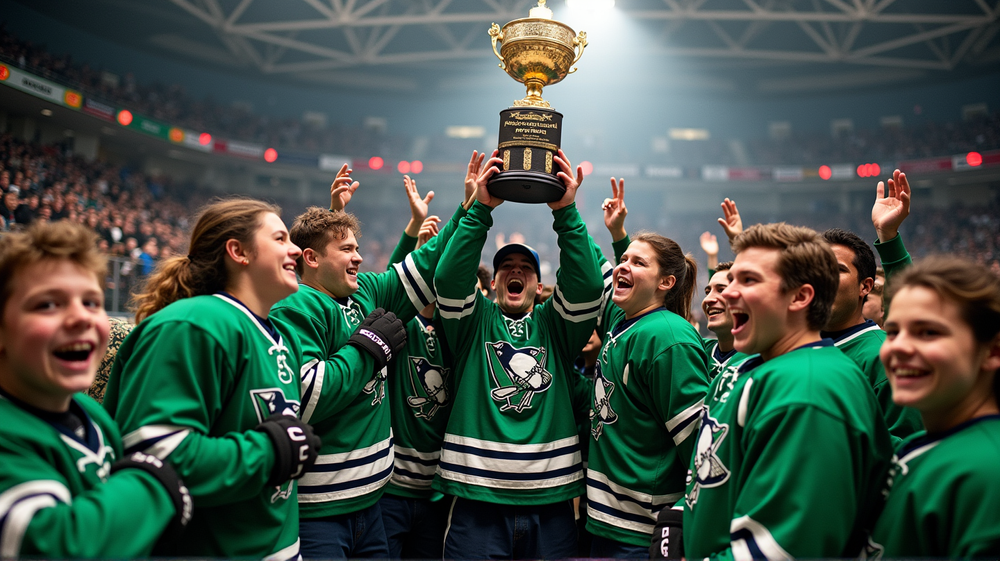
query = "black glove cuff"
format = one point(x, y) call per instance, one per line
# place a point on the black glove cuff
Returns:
point(373, 344)
point(282, 452)
point(167, 476)
point(667, 535)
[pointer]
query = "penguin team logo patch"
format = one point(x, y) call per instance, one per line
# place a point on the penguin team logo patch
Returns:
point(601, 412)
point(352, 313)
point(376, 386)
point(517, 375)
point(428, 388)
point(709, 471)
point(271, 401)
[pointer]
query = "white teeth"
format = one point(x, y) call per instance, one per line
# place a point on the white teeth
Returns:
point(908, 372)
point(72, 347)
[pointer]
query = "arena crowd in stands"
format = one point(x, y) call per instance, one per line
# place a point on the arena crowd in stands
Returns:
point(171, 103)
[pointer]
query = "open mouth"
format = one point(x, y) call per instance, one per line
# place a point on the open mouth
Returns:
point(515, 287)
point(623, 283)
point(74, 352)
point(740, 320)
point(352, 271)
point(909, 373)
point(712, 312)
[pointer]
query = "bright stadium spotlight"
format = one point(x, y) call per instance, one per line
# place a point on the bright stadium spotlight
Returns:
point(204, 139)
point(974, 159)
point(270, 155)
point(375, 163)
point(125, 117)
point(825, 172)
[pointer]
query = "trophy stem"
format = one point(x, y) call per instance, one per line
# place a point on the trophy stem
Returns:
point(534, 98)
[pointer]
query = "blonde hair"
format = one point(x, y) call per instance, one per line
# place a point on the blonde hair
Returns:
point(49, 241)
point(203, 269)
point(804, 258)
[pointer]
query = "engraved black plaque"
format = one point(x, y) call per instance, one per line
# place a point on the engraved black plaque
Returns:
point(529, 140)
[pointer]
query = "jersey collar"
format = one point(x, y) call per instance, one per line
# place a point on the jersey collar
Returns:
point(630, 322)
point(847, 334)
point(263, 324)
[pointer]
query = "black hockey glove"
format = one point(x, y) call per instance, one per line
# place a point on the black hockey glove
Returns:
point(295, 447)
point(667, 534)
point(165, 474)
point(381, 335)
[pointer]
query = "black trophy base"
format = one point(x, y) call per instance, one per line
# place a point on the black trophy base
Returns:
point(526, 187)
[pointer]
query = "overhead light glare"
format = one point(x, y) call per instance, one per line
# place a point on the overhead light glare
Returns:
point(689, 134)
point(465, 132)
point(590, 5)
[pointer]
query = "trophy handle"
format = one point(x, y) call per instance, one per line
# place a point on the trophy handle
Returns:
point(497, 35)
point(579, 43)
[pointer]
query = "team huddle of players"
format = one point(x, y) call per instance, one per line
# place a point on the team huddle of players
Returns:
point(273, 402)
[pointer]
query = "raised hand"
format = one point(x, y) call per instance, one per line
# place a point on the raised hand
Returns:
point(342, 188)
point(475, 169)
point(482, 193)
point(731, 221)
point(615, 211)
point(428, 230)
point(709, 244)
point(890, 210)
point(418, 206)
point(565, 175)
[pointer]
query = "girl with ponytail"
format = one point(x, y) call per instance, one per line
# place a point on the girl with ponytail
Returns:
point(208, 384)
point(651, 378)
point(941, 355)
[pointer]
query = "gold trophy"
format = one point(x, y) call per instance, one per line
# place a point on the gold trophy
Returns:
point(536, 51)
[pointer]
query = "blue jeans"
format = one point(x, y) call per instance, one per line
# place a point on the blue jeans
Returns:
point(356, 535)
point(604, 548)
point(414, 528)
point(478, 530)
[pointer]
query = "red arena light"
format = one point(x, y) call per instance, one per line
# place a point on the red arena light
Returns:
point(876, 170)
point(270, 155)
point(204, 139)
point(825, 172)
point(403, 167)
point(125, 117)
point(588, 168)
point(974, 159)
point(416, 166)
point(869, 170)
point(375, 163)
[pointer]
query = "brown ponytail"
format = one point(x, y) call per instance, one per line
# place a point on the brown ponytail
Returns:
point(672, 261)
point(203, 269)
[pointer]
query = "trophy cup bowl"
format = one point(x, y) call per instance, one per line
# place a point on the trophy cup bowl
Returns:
point(536, 52)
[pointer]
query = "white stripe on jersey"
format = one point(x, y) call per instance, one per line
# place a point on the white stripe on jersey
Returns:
point(157, 440)
point(89, 456)
point(416, 289)
point(741, 410)
point(500, 465)
point(18, 506)
point(748, 535)
point(276, 345)
point(576, 313)
point(624, 508)
point(312, 375)
point(336, 477)
point(454, 308)
point(414, 469)
point(286, 554)
point(684, 423)
point(858, 334)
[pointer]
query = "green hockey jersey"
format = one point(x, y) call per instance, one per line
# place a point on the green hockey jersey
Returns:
point(861, 344)
point(421, 391)
point(512, 438)
point(788, 459)
point(344, 397)
point(189, 385)
point(718, 360)
point(57, 499)
point(943, 493)
point(649, 384)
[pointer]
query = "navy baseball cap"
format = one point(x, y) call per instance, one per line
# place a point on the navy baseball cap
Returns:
point(513, 248)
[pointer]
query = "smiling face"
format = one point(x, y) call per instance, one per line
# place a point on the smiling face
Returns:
point(337, 267)
point(639, 286)
point(720, 320)
point(53, 335)
point(763, 320)
point(850, 290)
point(933, 361)
point(272, 261)
point(516, 284)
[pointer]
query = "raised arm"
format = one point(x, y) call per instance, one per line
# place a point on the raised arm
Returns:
point(731, 221)
point(418, 216)
point(342, 188)
point(710, 245)
point(888, 213)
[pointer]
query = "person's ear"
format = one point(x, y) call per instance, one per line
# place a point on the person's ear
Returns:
point(667, 282)
point(310, 258)
point(236, 252)
point(540, 288)
point(802, 297)
point(866, 287)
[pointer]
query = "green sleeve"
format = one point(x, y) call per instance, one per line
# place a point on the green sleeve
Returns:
point(406, 244)
point(329, 382)
point(460, 303)
point(620, 247)
point(711, 273)
point(677, 380)
point(973, 526)
point(412, 288)
point(893, 255)
point(797, 499)
point(608, 309)
point(176, 381)
point(121, 519)
point(571, 314)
